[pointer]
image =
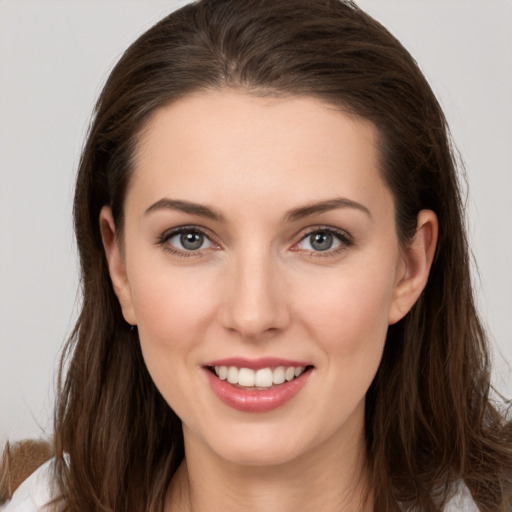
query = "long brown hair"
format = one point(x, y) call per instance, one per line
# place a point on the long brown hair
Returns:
point(430, 422)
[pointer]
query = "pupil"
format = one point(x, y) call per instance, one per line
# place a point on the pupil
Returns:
point(191, 241)
point(321, 241)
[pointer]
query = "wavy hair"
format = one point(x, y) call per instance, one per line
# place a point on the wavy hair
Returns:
point(429, 422)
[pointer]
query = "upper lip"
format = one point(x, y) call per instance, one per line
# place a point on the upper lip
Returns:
point(256, 364)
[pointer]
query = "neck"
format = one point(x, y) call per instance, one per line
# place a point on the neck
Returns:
point(327, 480)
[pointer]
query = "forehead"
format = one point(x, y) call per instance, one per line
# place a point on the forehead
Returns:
point(223, 145)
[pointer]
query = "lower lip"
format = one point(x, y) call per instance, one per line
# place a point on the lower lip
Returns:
point(253, 400)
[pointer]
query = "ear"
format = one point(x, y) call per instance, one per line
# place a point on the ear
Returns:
point(116, 264)
point(417, 259)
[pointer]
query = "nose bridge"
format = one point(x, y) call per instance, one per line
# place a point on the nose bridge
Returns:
point(256, 304)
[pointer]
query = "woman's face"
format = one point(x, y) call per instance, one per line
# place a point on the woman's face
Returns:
point(260, 239)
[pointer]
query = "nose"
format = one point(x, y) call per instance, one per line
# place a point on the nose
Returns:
point(256, 305)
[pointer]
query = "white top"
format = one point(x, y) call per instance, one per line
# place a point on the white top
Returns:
point(462, 501)
point(39, 490)
point(34, 493)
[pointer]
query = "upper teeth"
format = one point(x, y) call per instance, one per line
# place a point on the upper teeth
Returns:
point(263, 378)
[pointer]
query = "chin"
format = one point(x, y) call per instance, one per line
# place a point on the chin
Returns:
point(260, 454)
point(259, 446)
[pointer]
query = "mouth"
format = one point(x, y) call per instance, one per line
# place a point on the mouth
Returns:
point(257, 386)
point(258, 379)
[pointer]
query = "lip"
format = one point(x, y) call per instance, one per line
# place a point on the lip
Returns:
point(256, 364)
point(256, 400)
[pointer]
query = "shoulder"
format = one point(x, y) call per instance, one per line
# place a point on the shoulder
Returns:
point(35, 492)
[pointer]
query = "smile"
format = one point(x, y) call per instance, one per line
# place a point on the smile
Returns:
point(263, 378)
point(258, 385)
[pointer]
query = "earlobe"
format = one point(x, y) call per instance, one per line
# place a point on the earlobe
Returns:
point(116, 264)
point(417, 259)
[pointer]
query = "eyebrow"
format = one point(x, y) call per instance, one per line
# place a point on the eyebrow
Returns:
point(186, 207)
point(291, 216)
point(325, 206)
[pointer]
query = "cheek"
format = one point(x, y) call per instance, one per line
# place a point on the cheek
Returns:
point(349, 315)
point(171, 306)
point(173, 310)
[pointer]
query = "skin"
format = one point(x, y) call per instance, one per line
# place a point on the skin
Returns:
point(257, 288)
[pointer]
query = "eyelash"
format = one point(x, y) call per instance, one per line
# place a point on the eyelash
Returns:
point(343, 237)
point(164, 238)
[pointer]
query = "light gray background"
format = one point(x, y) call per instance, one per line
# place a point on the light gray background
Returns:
point(54, 57)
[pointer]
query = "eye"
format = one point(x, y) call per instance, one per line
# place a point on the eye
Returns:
point(327, 241)
point(189, 240)
point(319, 241)
point(185, 240)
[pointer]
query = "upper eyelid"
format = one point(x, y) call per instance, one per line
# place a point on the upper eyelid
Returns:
point(169, 233)
point(329, 229)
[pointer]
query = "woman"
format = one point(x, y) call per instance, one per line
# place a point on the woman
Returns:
point(277, 311)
